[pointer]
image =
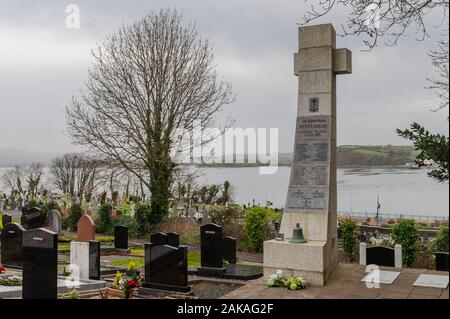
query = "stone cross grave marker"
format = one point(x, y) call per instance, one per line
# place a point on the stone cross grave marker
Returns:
point(311, 198)
point(40, 264)
point(85, 229)
point(11, 245)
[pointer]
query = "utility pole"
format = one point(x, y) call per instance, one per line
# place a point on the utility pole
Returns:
point(378, 208)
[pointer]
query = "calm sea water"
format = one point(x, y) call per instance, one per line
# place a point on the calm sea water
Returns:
point(403, 191)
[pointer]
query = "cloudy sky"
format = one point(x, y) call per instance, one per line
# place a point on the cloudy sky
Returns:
point(42, 63)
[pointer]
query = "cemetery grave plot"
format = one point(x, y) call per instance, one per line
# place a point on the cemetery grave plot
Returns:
point(63, 286)
point(200, 289)
point(216, 249)
point(166, 268)
point(432, 281)
point(38, 278)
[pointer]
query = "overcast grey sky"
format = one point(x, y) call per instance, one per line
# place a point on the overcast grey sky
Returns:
point(42, 63)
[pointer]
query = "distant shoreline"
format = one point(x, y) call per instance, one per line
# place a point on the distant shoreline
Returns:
point(251, 165)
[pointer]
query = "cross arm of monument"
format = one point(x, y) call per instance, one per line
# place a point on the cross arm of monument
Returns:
point(341, 61)
point(317, 51)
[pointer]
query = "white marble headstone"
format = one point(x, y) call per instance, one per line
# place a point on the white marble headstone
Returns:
point(79, 260)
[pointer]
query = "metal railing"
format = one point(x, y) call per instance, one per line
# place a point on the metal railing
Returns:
point(388, 216)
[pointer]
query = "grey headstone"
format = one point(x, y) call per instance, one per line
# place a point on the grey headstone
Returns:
point(53, 221)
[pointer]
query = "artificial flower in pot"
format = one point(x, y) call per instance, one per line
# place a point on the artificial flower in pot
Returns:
point(124, 288)
point(132, 269)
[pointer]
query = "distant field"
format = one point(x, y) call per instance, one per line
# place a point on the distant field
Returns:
point(385, 155)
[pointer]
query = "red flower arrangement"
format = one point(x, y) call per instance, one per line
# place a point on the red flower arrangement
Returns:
point(2, 269)
point(132, 284)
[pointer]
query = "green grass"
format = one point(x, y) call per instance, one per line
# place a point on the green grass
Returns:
point(100, 238)
point(137, 251)
point(139, 262)
point(63, 246)
point(193, 261)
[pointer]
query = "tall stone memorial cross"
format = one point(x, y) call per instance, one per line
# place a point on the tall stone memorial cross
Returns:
point(311, 198)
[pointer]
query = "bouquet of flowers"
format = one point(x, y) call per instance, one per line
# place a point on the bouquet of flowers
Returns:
point(276, 280)
point(294, 283)
point(128, 286)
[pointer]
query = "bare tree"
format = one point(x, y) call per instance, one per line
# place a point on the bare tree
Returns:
point(33, 177)
point(75, 174)
point(389, 19)
point(440, 84)
point(148, 80)
point(13, 179)
point(185, 186)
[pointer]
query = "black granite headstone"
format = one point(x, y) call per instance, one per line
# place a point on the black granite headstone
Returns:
point(32, 218)
point(277, 225)
point(211, 246)
point(229, 249)
point(380, 256)
point(40, 264)
point(159, 239)
point(6, 219)
point(94, 260)
point(11, 245)
point(173, 239)
point(442, 261)
point(121, 237)
point(166, 268)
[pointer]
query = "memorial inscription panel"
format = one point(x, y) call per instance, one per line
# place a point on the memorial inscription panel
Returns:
point(309, 182)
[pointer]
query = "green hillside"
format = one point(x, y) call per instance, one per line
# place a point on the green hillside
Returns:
point(352, 156)
point(385, 155)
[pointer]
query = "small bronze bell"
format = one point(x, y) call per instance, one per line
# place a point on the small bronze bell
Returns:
point(297, 235)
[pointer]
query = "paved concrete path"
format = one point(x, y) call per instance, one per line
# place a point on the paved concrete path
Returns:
point(346, 283)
